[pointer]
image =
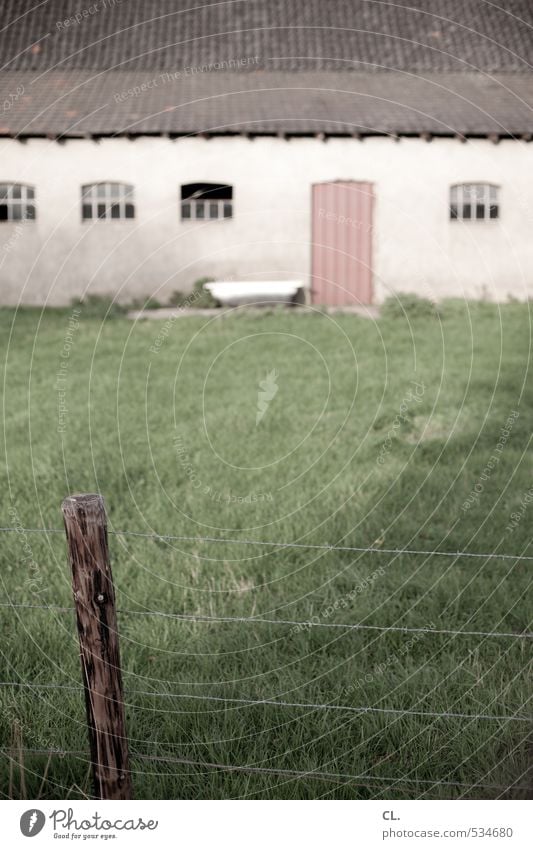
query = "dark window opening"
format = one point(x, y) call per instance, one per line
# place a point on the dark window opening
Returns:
point(206, 201)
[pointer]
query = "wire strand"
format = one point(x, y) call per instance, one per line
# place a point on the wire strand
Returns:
point(322, 546)
point(318, 774)
point(314, 774)
point(303, 624)
point(325, 546)
point(275, 703)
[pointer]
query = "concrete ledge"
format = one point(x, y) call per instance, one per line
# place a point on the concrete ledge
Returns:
point(371, 312)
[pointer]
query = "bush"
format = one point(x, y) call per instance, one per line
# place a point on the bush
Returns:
point(409, 306)
point(99, 306)
point(200, 297)
point(197, 298)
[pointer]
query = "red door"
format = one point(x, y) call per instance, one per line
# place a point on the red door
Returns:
point(341, 262)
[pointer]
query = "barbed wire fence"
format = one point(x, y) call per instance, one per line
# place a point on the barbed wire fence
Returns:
point(112, 779)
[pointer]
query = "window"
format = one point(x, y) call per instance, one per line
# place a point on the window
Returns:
point(206, 200)
point(474, 201)
point(107, 201)
point(17, 202)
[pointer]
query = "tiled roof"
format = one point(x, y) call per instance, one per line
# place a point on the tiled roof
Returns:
point(286, 35)
point(266, 66)
point(82, 102)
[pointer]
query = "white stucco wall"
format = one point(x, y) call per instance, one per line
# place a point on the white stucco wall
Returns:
point(416, 248)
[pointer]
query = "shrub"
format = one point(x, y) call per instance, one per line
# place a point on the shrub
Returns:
point(197, 298)
point(202, 298)
point(409, 306)
point(99, 306)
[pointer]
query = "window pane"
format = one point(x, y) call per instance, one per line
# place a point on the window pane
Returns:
point(87, 210)
point(115, 190)
point(185, 210)
point(30, 213)
point(3, 191)
point(467, 210)
point(86, 192)
point(115, 210)
point(453, 211)
point(16, 192)
point(30, 193)
point(479, 192)
point(200, 210)
point(228, 210)
point(101, 190)
point(453, 194)
point(493, 211)
point(213, 210)
point(130, 210)
point(493, 192)
point(480, 210)
point(3, 212)
point(101, 210)
point(16, 212)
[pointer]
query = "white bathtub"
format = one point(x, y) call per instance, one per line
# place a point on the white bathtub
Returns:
point(232, 293)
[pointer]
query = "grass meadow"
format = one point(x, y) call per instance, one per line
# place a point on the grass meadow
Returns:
point(392, 434)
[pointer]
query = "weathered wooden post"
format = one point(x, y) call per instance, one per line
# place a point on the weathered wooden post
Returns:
point(94, 597)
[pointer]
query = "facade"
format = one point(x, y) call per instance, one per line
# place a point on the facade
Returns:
point(135, 183)
point(406, 238)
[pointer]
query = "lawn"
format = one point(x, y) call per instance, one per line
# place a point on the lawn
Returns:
point(393, 434)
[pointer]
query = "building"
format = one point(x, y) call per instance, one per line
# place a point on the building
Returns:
point(360, 146)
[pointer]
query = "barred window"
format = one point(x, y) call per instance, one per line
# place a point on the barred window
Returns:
point(206, 201)
point(474, 201)
point(106, 201)
point(17, 202)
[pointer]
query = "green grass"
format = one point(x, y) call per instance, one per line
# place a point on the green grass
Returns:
point(169, 436)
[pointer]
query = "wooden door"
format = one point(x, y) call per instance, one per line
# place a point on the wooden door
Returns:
point(341, 260)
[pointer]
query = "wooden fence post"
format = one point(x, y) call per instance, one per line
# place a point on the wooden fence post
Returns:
point(94, 597)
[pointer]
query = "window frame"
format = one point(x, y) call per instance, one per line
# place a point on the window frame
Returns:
point(474, 197)
point(25, 202)
point(110, 194)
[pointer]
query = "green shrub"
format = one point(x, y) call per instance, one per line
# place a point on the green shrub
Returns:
point(409, 306)
point(200, 297)
point(197, 298)
point(99, 306)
